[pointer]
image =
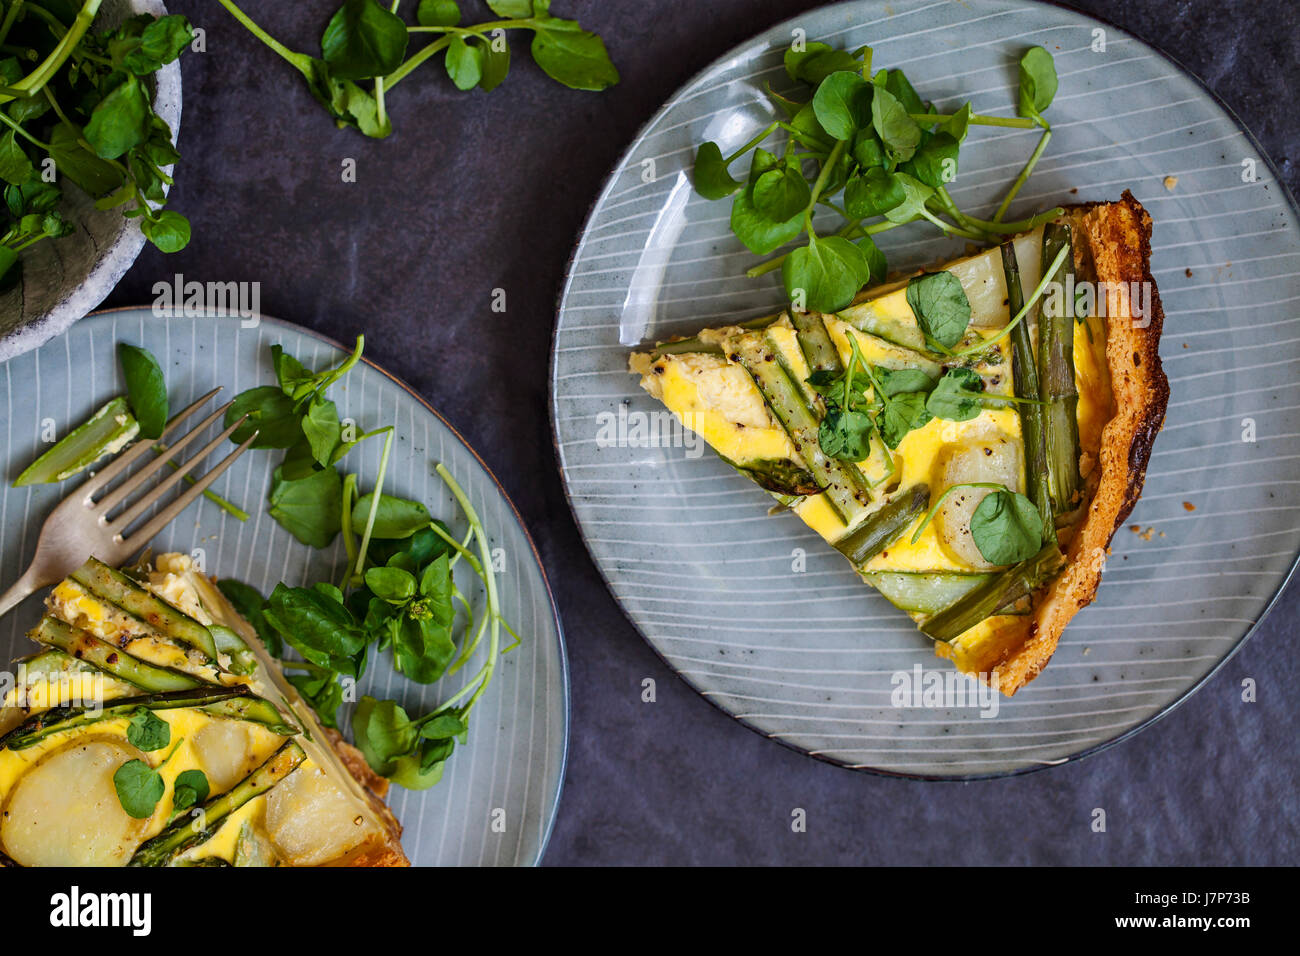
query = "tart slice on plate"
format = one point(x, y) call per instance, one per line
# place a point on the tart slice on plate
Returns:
point(969, 438)
point(153, 729)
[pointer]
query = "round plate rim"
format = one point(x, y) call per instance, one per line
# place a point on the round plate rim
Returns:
point(608, 183)
point(528, 537)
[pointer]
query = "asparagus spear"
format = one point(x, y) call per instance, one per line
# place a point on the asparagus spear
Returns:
point(1056, 377)
point(815, 342)
point(113, 660)
point(845, 488)
point(1024, 371)
point(184, 833)
point(119, 590)
point(1005, 587)
point(696, 344)
point(231, 702)
point(780, 476)
point(882, 528)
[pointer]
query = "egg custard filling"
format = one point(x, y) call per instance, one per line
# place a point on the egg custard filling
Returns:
point(153, 729)
point(969, 438)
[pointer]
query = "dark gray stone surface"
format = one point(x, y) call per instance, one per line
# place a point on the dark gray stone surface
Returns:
point(482, 191)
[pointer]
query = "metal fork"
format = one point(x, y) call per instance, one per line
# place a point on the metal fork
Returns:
point(81, 526)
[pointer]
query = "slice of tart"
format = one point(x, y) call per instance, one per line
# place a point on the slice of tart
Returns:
point(153, 729)
point(970, 438)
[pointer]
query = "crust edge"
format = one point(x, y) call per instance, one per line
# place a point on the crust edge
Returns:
point(1116, 248)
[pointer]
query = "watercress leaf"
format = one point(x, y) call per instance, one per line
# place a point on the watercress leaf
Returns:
point(424, 769)
point(464, 63)
point(323, 692)
point(169, 231)
point(935, 162)
point(147, 731)
point(829, 270)
point(394, 518)
point(96, 176)
point(712, 181)
point(957, 396)
point(363, 40)
point(875, 260)
point(323, 431)
point(916, 195)
point(831, 386)
point(121, 120)
point(845, 435)
point(896, 82)
point(309, 508)
point(873, 192)
point(32, 196)
point(299, 462)
point(249, 602)
point(383, 733)
point(422, 649)
point(438, 13)
point(435, 584)
point(139, 788)
point(1037, 84)
point(571, 55)
point(15, 167)
point(759, 233)
point(391, 584)
point(901, 414)
point(895, 381)
point(296, 380)
point(146, 392)
point(511, 9)
point(411, 553)
point(958, 126)
point(781, 192)
point(940, 305)
point(842, 104)
point(1006, 527)
point(867, 150)
point(191, 789)
point(160, 42)
point(808, 130)
point(496, 62)
point(816, 61)
point(271, 413)
point(443, 727)
point(788, 105)
point(328, 591)
point(898, 132)
point(316, 625)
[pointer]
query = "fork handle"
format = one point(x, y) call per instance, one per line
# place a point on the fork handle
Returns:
point(25, 586)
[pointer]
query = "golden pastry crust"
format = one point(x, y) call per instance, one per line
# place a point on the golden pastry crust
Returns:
point(1112, 244)
point(373, 853)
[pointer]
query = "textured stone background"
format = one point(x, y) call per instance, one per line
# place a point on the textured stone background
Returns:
point(481, 191)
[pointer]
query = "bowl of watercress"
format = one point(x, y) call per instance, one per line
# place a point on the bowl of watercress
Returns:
point(90, 104)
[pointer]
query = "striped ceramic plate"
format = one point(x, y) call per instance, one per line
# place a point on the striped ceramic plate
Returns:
point(497, 801)
point(772, 626)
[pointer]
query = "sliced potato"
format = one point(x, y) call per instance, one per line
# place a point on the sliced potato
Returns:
point(994, 458)
point(65, 810)
point(226, 753)
point(310, 820)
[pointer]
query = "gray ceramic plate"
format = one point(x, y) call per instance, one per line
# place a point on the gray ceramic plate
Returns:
point(64, 279)
point(514, 761)
point(812, 659)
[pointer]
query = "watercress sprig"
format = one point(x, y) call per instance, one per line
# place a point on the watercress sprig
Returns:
point(366, 41)
point(87, 105)
point(866, 148)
